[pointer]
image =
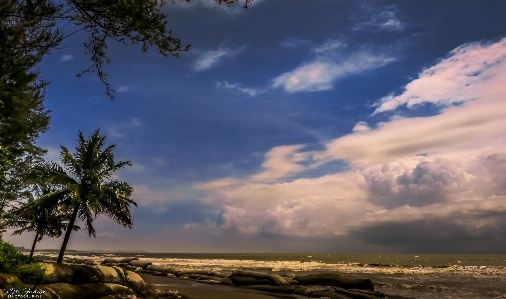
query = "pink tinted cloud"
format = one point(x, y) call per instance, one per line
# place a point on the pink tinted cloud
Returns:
point(390, 181)
point(470, 71)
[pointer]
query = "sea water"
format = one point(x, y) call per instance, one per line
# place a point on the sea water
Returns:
point(410, 275)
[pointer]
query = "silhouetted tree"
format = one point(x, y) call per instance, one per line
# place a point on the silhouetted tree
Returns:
point(44, 215)
point(87, 180)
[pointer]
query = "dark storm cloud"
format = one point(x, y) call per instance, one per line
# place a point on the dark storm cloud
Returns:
point(425, 184)
point(453, 233)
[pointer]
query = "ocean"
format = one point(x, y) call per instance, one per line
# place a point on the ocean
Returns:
point(410, 275)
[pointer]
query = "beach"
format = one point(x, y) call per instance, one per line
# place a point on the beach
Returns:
point(409, 276)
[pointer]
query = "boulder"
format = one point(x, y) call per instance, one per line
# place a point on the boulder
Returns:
point(226, 281)
point(127, 260)
point(8, 280)
point(108, 274)
point(154, 268)
point(84, 291)
point(333, 279)
point(170, 270)
point(80, 274)
point(217, 274)
point(139, 263)
point(240, 277)
point(67, 273)
point(135, 282)
point(111, 261)
point(246, 280)
point(191, 272)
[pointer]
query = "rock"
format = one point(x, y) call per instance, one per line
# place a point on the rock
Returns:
point(206, 277)
point(111, 261)
point(329, 295)
point(227, 281)
point(149, 293)
point(155, 268)
point(84, 291)
point(244, 280)
point(217, 274)
point(109, 274)
point(135, 282)
point(333, 279)
point(190, 272)
point(81, 274)
point(138, 263)
point(91, 262)
point(170, 270)
point(8, 280)
point(286, 289)
point(255, 278)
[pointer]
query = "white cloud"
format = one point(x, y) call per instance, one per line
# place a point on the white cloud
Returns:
point(294, 42)
point(236, 86)
point(65, 58)
point(471, 72)
point(458, 185)
point(372, 17)
point(144, 196)
point(361, 126)
point(136, 122)
point(211, 58)
point(280, 162)
point(320, 74)
point(328, 47)
point(123, 88)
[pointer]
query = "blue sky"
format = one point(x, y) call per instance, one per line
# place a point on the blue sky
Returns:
point(301, 126)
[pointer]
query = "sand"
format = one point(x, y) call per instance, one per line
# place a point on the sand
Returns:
point(198, 290)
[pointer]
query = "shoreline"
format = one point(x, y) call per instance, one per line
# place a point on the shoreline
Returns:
point(197, 290)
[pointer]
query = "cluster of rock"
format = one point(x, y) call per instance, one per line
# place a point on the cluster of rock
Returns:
point(319, 285)
point(84, 282)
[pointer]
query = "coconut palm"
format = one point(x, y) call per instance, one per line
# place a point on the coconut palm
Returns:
point(43, 215)
point(87, 178)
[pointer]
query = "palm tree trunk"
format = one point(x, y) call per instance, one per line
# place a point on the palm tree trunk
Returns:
point(67, 234)
point(33, 245)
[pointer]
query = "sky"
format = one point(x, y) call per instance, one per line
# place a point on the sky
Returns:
point(318, 126)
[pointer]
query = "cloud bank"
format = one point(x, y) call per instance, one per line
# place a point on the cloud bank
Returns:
point(436, 180)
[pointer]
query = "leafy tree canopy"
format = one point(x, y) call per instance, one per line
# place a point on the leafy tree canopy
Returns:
point(23, 41)
point(126, 21)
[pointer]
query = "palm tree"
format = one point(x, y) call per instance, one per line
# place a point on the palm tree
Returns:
point(87, 178)
point(43, 215)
